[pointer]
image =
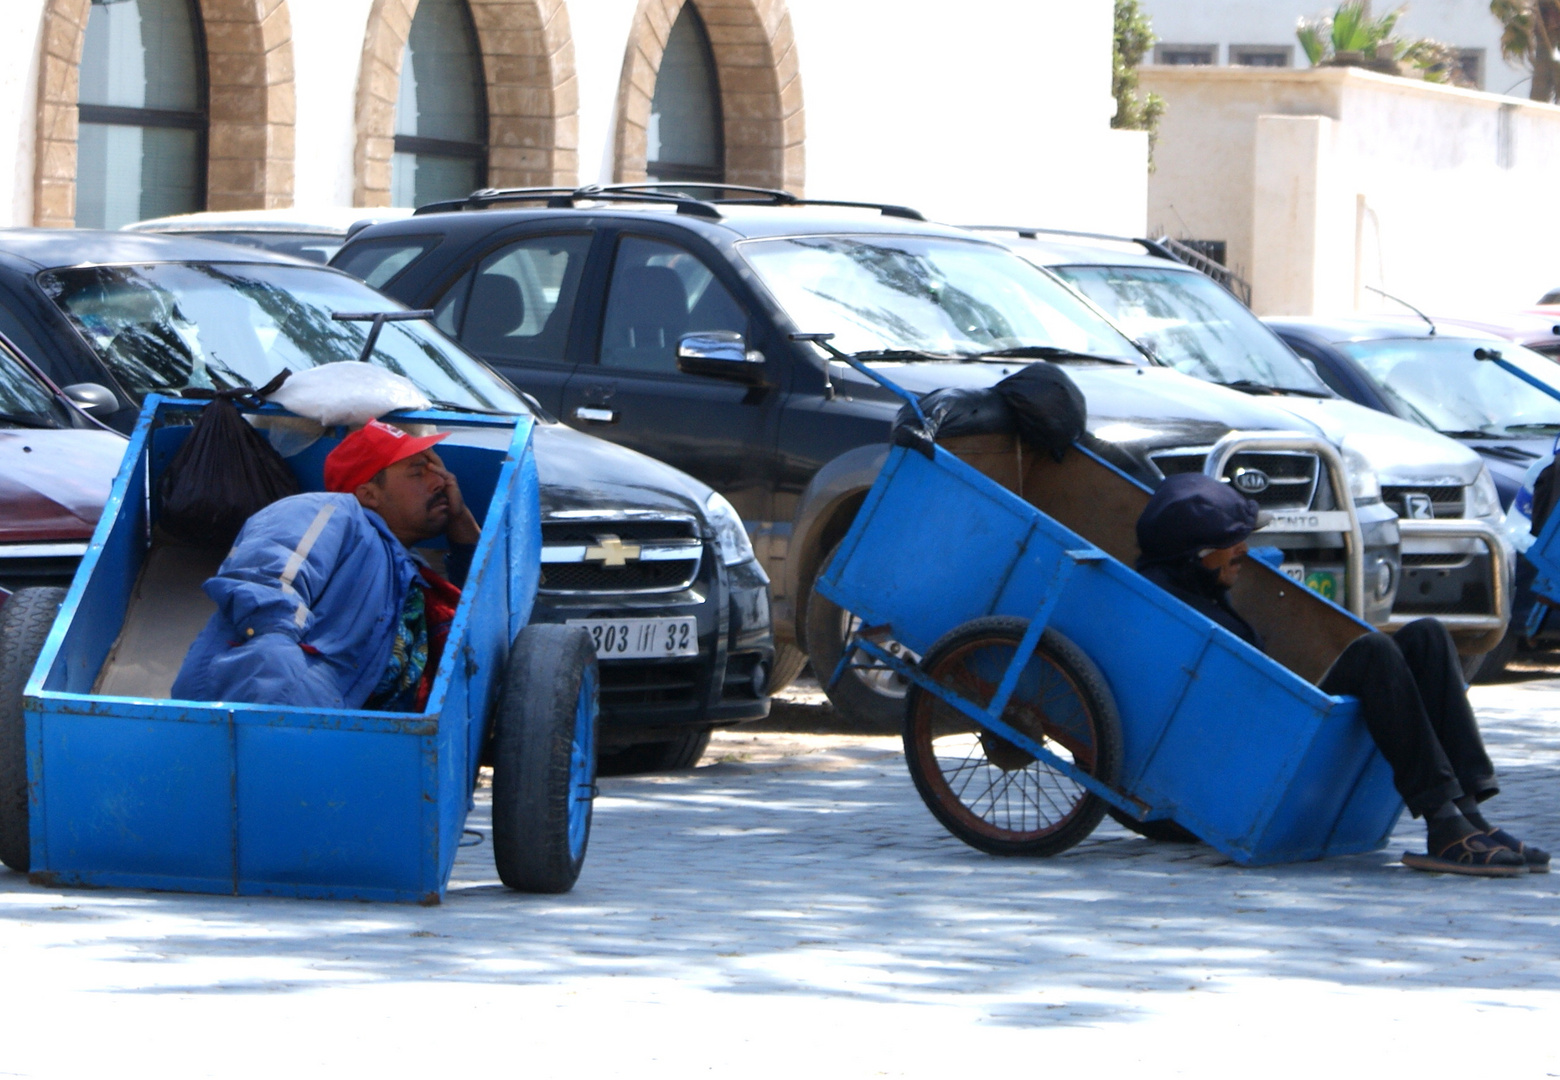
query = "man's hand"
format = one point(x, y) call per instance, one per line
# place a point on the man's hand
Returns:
point(462, 527)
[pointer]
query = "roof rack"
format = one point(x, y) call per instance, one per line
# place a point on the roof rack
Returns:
point(1163, 248)
point(565, 198)
point(664, 193)
point(760, 196)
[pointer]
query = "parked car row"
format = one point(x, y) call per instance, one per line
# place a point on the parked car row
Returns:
point(708, 462)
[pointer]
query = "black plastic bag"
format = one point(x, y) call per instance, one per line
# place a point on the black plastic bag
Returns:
point(224, 473)
point(949, 412)
point(1048, 406)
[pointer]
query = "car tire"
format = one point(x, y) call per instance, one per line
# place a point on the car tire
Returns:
point(985, 790)
point(667, 755)
point(544, 759)
point(1494, 662)
point(25, 621)
point(789, 662)
point(869, 701)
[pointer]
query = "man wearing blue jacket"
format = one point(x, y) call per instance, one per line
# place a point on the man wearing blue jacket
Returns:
point(321, 603)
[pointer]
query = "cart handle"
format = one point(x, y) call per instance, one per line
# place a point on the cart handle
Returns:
point(1496, 357)
point(823, 342)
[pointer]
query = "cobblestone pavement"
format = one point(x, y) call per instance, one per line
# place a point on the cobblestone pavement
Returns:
point(790, 909)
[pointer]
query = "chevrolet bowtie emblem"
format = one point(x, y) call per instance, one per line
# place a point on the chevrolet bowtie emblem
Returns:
point(611, 551)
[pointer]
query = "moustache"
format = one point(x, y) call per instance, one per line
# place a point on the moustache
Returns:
point(438, 500)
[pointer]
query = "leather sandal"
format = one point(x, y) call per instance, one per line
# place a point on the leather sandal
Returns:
point(1534, 858)
point(1475, 854)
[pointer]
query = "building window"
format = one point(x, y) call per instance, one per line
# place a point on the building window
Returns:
point(683, 140)
point(440, 110)
point(141, 142)
point(1186, 55)
point(1275, 56)
point(1472, 63)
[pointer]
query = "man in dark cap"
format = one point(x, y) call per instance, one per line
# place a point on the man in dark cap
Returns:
point(1192, 536)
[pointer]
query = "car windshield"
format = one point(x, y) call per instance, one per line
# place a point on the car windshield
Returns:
point(170, 327)
point(24, 402)
point(933, 295)
point(1189, 322)
point(1439, 382)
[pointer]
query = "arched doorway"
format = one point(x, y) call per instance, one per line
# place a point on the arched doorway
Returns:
point(440, 113)
point(667, 99)
point(141, 139)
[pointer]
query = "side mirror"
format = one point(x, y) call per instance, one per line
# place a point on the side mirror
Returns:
point(92, 398)
point(720, 354)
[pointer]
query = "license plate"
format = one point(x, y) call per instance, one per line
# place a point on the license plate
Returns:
point(1324, 582)
point(638, 639)
point(1294, 572)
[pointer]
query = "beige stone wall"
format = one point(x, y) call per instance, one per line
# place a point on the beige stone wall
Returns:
point(249, 73)
point(532, 94)
point(760, 89)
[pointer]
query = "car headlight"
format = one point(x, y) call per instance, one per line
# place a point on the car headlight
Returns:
point(730, 537)
point(1483, 499)
point(1364, 484)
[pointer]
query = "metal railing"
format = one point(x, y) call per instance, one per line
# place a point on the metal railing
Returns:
point(1500, 572)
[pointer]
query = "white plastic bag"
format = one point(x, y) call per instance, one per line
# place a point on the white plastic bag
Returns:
point(348, 392)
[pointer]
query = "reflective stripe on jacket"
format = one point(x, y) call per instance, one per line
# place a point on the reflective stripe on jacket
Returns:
point(306, 608)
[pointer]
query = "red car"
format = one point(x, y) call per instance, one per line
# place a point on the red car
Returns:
point(1537, 328)
point(56, 466)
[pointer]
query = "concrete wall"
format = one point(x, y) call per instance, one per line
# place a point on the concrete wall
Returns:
point(980, 113)
point(1466, 24)
point(1324, 182)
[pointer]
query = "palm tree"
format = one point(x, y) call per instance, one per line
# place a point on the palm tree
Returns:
point(1530, 35)
point(1350, 36)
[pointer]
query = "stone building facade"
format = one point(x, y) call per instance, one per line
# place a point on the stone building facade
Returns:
point(992, 112)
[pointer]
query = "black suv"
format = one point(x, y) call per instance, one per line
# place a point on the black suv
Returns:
point(664, 322)
point(654, 563)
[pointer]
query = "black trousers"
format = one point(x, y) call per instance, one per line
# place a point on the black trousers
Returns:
point(1414, 701)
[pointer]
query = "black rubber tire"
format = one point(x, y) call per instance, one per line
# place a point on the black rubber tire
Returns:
point(666, 755)
point(857, 702)
point(1058, 674)
point(789, 662)
point(25, 621)
point(1166, 832)
point(550, 668)
point(1494, 662)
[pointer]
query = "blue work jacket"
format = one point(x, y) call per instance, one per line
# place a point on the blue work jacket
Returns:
point(307, 603)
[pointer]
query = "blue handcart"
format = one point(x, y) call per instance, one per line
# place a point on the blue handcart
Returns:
point(1055, 683)
point(105, 781)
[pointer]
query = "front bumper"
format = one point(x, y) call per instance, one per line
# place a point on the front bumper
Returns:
point(1459, 571)
point(726, 683)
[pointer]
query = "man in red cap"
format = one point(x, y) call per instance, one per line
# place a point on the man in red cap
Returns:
point(322, 601)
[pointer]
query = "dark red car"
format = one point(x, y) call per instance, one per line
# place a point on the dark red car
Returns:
point(56, 466)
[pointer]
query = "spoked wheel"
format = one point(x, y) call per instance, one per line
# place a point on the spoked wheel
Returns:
point(544, 759)
point(988, 792)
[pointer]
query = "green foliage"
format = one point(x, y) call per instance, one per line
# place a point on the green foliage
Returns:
point(1350, 36)
point(1134, 38)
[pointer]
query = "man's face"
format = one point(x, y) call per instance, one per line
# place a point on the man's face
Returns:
point(411, 498)
point(1226, 561)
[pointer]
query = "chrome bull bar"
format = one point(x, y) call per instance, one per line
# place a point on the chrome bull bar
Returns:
point(1344, 521)
point(1494, 624)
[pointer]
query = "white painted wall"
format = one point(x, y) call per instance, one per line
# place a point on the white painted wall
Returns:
point(20, 47)
point(1467, 24)
point(1327, 181)
point(994, 112)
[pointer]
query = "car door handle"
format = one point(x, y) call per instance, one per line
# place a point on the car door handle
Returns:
point(593, 415)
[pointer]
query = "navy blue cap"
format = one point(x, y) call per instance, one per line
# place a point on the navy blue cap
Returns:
point(1190, 513)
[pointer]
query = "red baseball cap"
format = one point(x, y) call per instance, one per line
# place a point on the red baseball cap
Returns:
point(375, 446)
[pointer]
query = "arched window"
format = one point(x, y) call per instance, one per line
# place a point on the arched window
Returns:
point(441, 109)
point(683, 141)
point(141, 142)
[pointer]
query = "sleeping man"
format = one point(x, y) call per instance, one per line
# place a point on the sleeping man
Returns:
point(321, 603)
point(1192, 536)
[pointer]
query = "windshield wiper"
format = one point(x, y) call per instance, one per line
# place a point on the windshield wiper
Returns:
point(1251, 386)
point(907, 354)
point(456, 407)
point(1043, 352)
point(1533, 427)
point(26, 421)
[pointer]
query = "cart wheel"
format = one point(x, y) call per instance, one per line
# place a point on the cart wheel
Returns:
point(986, 791)
point(544, 759)
point(25, 621)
